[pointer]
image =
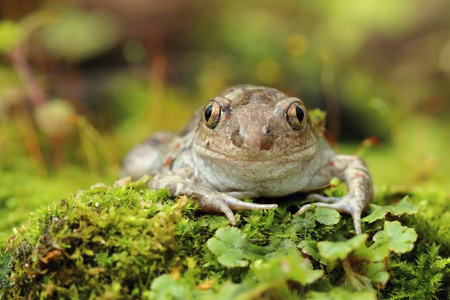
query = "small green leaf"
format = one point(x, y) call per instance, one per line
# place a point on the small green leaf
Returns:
point(394, 237)
point(333, 251)
point(377, 273)
point(326, 216)
point(233, 249)
point(378, 212)
point(285, 268)
point(401, 239)
point(380, 247)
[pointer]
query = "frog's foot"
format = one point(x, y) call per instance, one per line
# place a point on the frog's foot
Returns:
point(347, 204)
point(210, 201)
point(220, 202)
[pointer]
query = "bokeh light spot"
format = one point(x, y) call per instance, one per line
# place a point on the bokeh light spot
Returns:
point(268, 71)
point(297, 44)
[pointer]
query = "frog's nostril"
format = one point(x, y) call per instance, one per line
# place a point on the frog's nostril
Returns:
point(266, 143)
point(237, 138)
point(267, 139)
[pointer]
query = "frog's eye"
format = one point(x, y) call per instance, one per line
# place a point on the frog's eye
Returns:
point(295, 116)
point(212, 114)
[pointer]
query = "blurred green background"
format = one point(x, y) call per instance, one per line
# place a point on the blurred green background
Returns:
point(81, 82)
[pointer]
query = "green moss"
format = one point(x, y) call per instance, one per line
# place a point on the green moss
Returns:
point(424, 273)
point(129, 241)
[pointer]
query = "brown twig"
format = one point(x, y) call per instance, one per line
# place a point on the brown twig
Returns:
point(37, 97)
point(331, 99)
point(20, 62)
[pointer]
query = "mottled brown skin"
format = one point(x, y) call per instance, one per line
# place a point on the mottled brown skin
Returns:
point(250, 141)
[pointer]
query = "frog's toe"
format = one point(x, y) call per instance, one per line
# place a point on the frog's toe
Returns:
point(226, 204)
point(217, 205)
point(228, 213)
point(344, 204)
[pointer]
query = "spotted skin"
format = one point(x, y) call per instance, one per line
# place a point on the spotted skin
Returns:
point(355, 173)
point(262, 145)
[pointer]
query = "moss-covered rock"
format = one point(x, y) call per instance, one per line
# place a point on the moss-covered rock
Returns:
point(131, 242)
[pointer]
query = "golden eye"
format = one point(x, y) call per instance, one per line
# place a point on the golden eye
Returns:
point(295, 116)
point(212, 114)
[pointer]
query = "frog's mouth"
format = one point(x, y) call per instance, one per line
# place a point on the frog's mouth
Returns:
point(301, 154)
point(215, 166)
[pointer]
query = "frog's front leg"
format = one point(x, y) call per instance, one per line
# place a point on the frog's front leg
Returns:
point(182, 182)
point(354, 171)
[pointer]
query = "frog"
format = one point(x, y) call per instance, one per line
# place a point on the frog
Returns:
point(250, 142)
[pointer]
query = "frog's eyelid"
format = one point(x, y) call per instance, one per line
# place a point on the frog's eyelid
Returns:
point(224, 103)
point(282, 106)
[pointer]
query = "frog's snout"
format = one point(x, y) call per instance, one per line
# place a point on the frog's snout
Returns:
point(253, 141)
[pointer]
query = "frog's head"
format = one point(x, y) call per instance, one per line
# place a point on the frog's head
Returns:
point(253, 129)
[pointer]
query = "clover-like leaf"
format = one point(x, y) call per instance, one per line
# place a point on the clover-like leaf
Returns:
point(285, 268)
point(378, 212)
point(332, 251)
point(377, 273)
point(380, 248)
point(394, 237)
point(326, 216)
point(233, 249)
point(401, 238)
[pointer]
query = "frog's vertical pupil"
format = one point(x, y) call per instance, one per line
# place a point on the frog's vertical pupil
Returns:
point(208, 112)
point(295, 116)
point(300, 114)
